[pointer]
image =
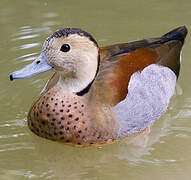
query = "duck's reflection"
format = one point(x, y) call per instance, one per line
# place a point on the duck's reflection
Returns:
point(79, 163)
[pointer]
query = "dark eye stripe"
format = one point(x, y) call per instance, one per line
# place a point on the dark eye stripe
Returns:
point(65, 48)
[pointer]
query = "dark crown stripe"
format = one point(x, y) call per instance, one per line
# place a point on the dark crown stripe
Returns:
point(67, 31)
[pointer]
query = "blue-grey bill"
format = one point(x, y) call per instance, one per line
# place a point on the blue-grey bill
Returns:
point(37, 66)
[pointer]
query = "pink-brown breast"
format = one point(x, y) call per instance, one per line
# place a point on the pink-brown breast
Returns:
point(65, 117)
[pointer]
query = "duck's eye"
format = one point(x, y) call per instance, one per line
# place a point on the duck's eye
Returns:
point(65, 48)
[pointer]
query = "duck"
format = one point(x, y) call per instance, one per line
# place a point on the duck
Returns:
point(97, 95)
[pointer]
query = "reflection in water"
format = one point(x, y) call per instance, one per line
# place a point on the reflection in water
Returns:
point(27, 32)
point(26, 37)
point(50, 15)
point(74, 163)
point(27, 46)
point(11, 174)
point(28, 57)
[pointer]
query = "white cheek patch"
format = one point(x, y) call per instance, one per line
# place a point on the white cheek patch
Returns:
point(149, 93)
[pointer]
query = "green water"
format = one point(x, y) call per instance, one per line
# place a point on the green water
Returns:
point(164, 154)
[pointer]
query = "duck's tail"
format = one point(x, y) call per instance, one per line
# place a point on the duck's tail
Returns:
point(176, 34)
point(170, 48)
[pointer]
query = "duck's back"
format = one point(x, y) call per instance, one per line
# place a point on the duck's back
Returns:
point(119, 62)
point(139, 78)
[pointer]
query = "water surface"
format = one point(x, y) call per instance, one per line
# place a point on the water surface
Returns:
point(162, 154)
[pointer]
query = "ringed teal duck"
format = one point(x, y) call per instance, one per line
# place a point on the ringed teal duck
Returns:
point(97, 95)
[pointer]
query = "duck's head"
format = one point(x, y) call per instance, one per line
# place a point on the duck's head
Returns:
point(72, 53)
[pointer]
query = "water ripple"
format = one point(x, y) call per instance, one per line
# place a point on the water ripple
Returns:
point(50, 15)
point(27, 37)
point(31, 45)
point(5, 136)
point(49, 174)
point(27, 57)
point(14, 146)
point(27, 32)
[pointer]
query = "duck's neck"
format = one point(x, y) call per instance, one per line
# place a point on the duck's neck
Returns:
point(74, 85)
point(81, 81)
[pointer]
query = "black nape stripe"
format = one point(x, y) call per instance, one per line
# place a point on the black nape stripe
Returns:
point(87, 88)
